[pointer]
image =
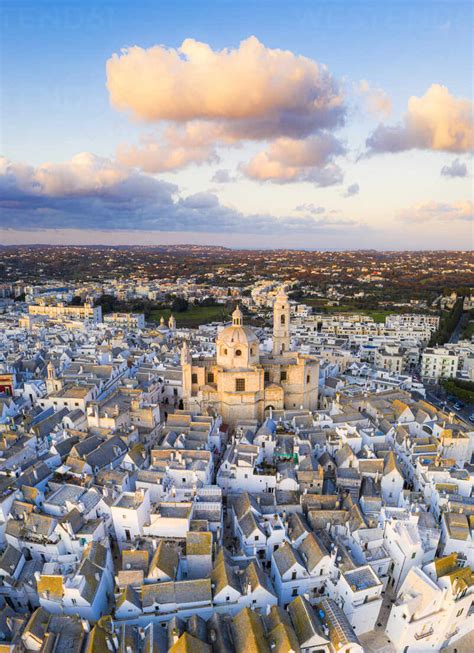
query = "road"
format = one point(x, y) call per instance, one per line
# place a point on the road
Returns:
point(464, 413)
point(457, 330)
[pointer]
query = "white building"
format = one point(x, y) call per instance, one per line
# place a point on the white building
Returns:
point(438, 363)
point(433, 607)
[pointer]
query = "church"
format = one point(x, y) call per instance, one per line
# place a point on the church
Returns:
point(239, 383)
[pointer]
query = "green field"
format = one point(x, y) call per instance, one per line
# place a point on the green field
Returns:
point(193, 317)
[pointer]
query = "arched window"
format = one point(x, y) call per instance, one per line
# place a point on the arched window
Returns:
point(282, 319)
point(238, 352)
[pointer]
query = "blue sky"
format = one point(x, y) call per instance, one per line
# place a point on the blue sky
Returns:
point(56, 105)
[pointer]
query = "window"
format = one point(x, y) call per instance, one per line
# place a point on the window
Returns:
point(283, 376)
point(266, 376)
point(413, 555)
point(210, 377)
point(308, 378)
point(239, 385)
point(282, 319)
point(238, 352)
point(459, 612)
point(294, 591)
point(194, 378)
point(293, 575)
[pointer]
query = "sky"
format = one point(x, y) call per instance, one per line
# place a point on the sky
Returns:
point(318, 125)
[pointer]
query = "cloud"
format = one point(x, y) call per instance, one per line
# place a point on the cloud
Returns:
point(223, 177)
point(310, 208)
point(377, 100)
point(173, 149)
point(201, 99)
point(438, 211)
point(91, 192)
point(456, 169)
point(253, 88)
point(290, 160)
point(352, 190)
point(436, 121)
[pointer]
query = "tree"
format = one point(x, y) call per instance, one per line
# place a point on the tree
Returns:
point(179, 305)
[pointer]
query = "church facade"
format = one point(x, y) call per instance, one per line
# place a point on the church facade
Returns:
point(239, 383)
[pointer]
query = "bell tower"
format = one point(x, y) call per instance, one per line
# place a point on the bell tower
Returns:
point(186, 363)
point(53, 384)
point(281, 324)
point(237, 317)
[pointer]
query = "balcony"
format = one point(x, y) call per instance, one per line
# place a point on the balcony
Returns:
point(427, 633)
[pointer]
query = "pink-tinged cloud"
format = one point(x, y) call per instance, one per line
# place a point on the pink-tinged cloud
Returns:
point(257, 92)
point(438, 212)
point(290, 160)
point(377, 101)
point(175, 148)
point(436, 121)
point(85, 173)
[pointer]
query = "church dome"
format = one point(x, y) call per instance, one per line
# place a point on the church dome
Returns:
point(237, 345)
point(233, 335)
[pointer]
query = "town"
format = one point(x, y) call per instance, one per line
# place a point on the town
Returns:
point(211, 450)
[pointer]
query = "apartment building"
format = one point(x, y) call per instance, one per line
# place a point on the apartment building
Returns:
point(63, 312)
point(438, 363)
